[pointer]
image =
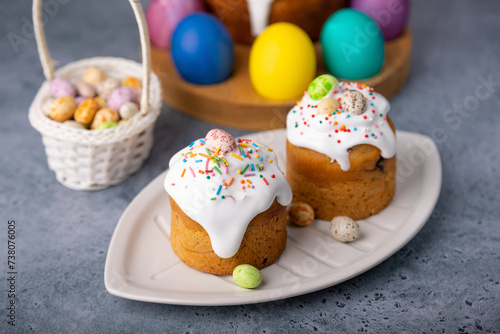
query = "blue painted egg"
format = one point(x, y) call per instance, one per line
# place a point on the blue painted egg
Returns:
point(352, 45)
point(202, 49)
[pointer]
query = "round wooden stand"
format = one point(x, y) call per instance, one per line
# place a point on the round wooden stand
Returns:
point(234, 103)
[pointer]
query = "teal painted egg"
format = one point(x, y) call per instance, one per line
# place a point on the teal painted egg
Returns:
point(352, 44)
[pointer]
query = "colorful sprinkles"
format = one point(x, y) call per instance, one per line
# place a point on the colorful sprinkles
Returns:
point(334, 120)
point(211, 164)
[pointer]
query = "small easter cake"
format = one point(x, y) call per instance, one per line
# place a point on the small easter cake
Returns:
point(341, 150)
point(228, 199)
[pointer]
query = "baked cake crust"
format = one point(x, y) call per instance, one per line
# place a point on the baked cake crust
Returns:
point(364, 190)
point(262, 244)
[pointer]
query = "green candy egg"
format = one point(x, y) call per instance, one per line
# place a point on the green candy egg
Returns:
point(247, 276)
point(320, 86)
point(107, 125)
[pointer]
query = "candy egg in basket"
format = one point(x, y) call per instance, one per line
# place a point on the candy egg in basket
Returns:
point(96, 115)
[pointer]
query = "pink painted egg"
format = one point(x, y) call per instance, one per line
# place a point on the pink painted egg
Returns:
point(163, 16)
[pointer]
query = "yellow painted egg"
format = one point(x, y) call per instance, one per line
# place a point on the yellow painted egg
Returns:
point(282, 62)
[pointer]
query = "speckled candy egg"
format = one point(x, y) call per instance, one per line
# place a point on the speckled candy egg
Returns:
point(106, 86)
point(100, 102)
point(47, 105)
point(352, 45)
point(247, 276)
point(327, 105)
point(163, 16)
point(353, 102)
point(282, 62)
point(390, 15)
point(104, 115)
point(202, 49)
point(128, 110)
point(320, 86)
point(344, 229)
point(93, 75)
point(132, 82)
point(79, 100)
point(217, 138)
point(120, 96)
point(85, 112)
point(84, 89)
point(74, 124)
point(107, 125)
point(63, 108)
point(301, 213)
point(61, 87)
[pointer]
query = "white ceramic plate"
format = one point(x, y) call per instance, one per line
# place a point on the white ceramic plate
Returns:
point(141, 265)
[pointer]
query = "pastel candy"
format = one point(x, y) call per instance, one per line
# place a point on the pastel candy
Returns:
point(61, 87)
point(247, 276)
point(128, 110)
point(105, 87)
point(79, 100)
point(84, 89)
point(120, 96)
point(344, 229)
point(321, 85)
point(100, 102)
point(327, 105)
point(132, 82)
point(73, 124)
point(301, 214)
point(63, 108)
point(217, 138)
point(104, 115)
point(353, 102)
point(47, 105)
point(93, 75)
point(137, 95)
point(107, 125)
point(85, 112)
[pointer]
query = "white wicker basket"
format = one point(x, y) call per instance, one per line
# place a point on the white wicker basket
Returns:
point(96, 159)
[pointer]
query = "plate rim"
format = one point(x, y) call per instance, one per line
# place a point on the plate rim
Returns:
point(398, 240)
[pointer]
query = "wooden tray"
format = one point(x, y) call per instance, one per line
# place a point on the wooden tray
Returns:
point(234, 103)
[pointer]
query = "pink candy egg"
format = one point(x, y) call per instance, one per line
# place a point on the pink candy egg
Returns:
point(163, 16)
point(217, 138)
point(390, 15)
point(61, 87)
point(79, 99)
point(84, 89)
point(120, 96)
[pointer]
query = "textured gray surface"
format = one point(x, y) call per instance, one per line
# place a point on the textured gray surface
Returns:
point(445, 280)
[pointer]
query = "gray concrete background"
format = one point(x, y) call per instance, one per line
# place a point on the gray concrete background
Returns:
point(445, 280)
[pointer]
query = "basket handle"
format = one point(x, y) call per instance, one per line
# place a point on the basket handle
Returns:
point(48, 63)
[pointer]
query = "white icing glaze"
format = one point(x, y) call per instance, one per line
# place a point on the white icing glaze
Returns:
point(259, 11)
point(226, 219)
point(306, 128)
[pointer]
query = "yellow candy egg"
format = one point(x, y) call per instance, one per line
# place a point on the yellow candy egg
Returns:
point(85, 112)
point(100, 102)
point(282, 62)
point(93, 75)
point(132, 82)
point(62, 108)
point(104, 115)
